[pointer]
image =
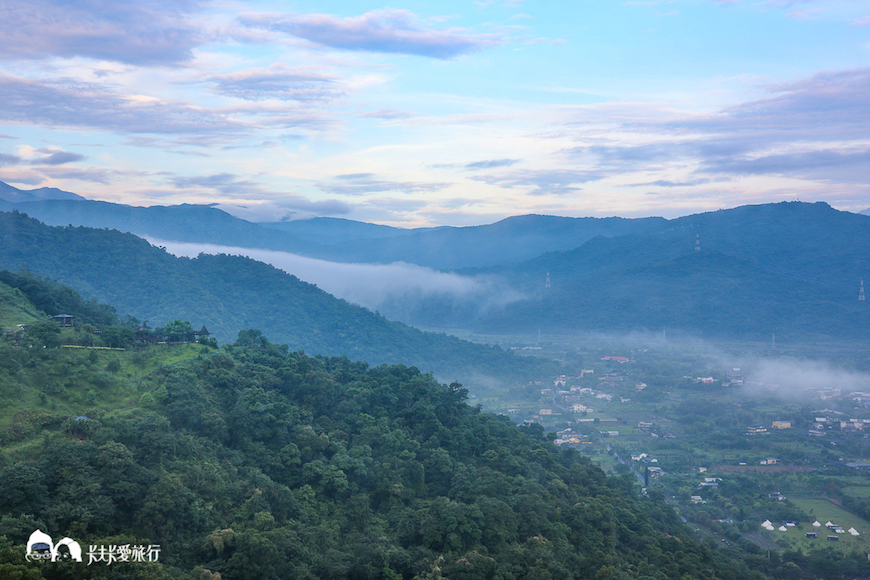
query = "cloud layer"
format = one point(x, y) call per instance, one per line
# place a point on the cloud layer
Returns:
point(278, 82)
point(541, 182)
point(70, 103)
point(368, 285)
point(813, 129)
point(387, 30)
point(152, 32)
point(363, 183)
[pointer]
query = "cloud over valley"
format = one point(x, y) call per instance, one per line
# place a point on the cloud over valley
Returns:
point(389, 288)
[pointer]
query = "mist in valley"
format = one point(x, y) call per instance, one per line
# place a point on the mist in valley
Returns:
point(400, 291)
point(799, 380)
point(789, 375)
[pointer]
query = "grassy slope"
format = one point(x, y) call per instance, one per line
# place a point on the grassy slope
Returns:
point(70, 381)
point(16, 309)
point(73, 382)
point(823, 510)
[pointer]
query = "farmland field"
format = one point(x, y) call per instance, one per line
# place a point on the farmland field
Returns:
point(823, 510)
point(857, 491)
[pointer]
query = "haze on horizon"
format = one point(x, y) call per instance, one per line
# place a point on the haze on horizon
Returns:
point(429, 114)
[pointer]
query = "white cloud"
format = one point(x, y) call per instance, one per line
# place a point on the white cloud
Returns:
point(149, 32)
point(278, 82)
point(387, 30)
point(370, 285)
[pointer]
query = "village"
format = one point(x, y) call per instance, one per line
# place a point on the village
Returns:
point(775, 466)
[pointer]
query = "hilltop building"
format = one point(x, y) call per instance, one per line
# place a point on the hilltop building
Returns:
point(65, 320)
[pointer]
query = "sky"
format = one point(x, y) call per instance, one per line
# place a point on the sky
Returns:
point(422, 113)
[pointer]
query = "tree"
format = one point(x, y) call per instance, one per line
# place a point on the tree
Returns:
point(45, 333)
point(117, 336)
point(179, 331)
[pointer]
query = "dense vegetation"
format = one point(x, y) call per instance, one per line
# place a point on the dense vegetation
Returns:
point(54, 298)
point(256, 462)
point(792, 269)
point(230, 293)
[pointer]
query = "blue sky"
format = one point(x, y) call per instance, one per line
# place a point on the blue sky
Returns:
point(447, 113)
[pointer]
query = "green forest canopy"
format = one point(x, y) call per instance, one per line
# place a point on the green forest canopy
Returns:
point(256, 462)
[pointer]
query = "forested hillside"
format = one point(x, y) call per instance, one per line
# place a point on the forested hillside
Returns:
point(253, 462)
point(508, 241)
point(793, 269)
point(228, 294)
point(46, 296)
point(790, 269)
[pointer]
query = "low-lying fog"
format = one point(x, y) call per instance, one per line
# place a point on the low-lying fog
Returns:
point(793, 373)
point(392, 289)
point(803, 375)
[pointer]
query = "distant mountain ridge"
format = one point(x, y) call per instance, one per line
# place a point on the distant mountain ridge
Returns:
point(330, 230)
point(789, 268)
point(182, 223)
point(13, 194)
point(508, 241)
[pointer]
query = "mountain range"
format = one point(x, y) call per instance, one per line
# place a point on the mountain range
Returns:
point(229, 294)
point(251, 461)
point(792, 269)
point(508, 241)
point(13, 194)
